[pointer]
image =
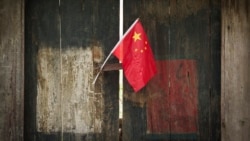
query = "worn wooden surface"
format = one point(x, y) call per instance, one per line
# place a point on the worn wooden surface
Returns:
point(177, 30)
point(235, 66)
point(11, 70)
point(235, 70)
point(65, 44)
point(175, 107)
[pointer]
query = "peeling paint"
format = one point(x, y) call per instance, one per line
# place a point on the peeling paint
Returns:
point(74, 105)
point(97, 54)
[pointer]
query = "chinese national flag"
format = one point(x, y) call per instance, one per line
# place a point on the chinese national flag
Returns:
point(135, 53)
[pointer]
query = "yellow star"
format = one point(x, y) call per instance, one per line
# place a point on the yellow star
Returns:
point(136, 36)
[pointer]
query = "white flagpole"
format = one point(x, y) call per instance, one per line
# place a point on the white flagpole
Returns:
point(121, 20)
point(114, 50)
point(121, 71)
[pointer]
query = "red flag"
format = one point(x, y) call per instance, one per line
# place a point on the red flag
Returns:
point(137, 59)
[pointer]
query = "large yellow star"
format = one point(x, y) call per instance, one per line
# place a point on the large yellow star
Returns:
point(136, 36)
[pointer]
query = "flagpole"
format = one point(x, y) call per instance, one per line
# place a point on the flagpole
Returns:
point(121, 20)
point(101, 68)
point(121, 71)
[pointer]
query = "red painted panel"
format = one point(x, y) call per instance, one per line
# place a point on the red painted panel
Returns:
point(172, 106)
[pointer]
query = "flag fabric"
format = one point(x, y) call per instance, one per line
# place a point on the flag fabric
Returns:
point(135, 54)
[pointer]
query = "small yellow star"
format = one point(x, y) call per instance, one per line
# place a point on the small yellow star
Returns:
point(136, 36)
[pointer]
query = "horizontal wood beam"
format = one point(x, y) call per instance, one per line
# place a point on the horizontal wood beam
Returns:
point(112, 67)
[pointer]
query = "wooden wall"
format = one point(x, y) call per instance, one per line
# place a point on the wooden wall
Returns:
point(185, 38)
point(11, 69)
point(45, 74)
point(65, 43)
point(235, 70)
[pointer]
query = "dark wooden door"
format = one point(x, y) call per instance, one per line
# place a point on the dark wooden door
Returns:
point(182, 102)
point(65, 43)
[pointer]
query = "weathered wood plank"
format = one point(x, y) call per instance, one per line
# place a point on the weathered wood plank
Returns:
point(84, 26)
point(178, 30)
point(110, 67)
point(42, 57)
point(190, 40)
point(154, 16)
point(172, 107)
point(235, 70)
point(11, 69)
point(68, 41)
point(194, 36)
point(215, 69)
point(106, 33)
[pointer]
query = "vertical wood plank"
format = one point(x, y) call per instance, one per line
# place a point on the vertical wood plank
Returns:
point(215, 45)
point(79, 96)
point(42, 75)
point(85, 30)
point(154, 16)
point(235, 70)
point(190, 40)
point(106, 33)
point(11, 69)
point(194, 36)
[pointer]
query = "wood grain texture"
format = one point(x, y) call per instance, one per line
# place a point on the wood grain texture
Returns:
point(178, 30)
point(66, 42)
point(235, 70)
point(11, 69)
point(175, 107)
